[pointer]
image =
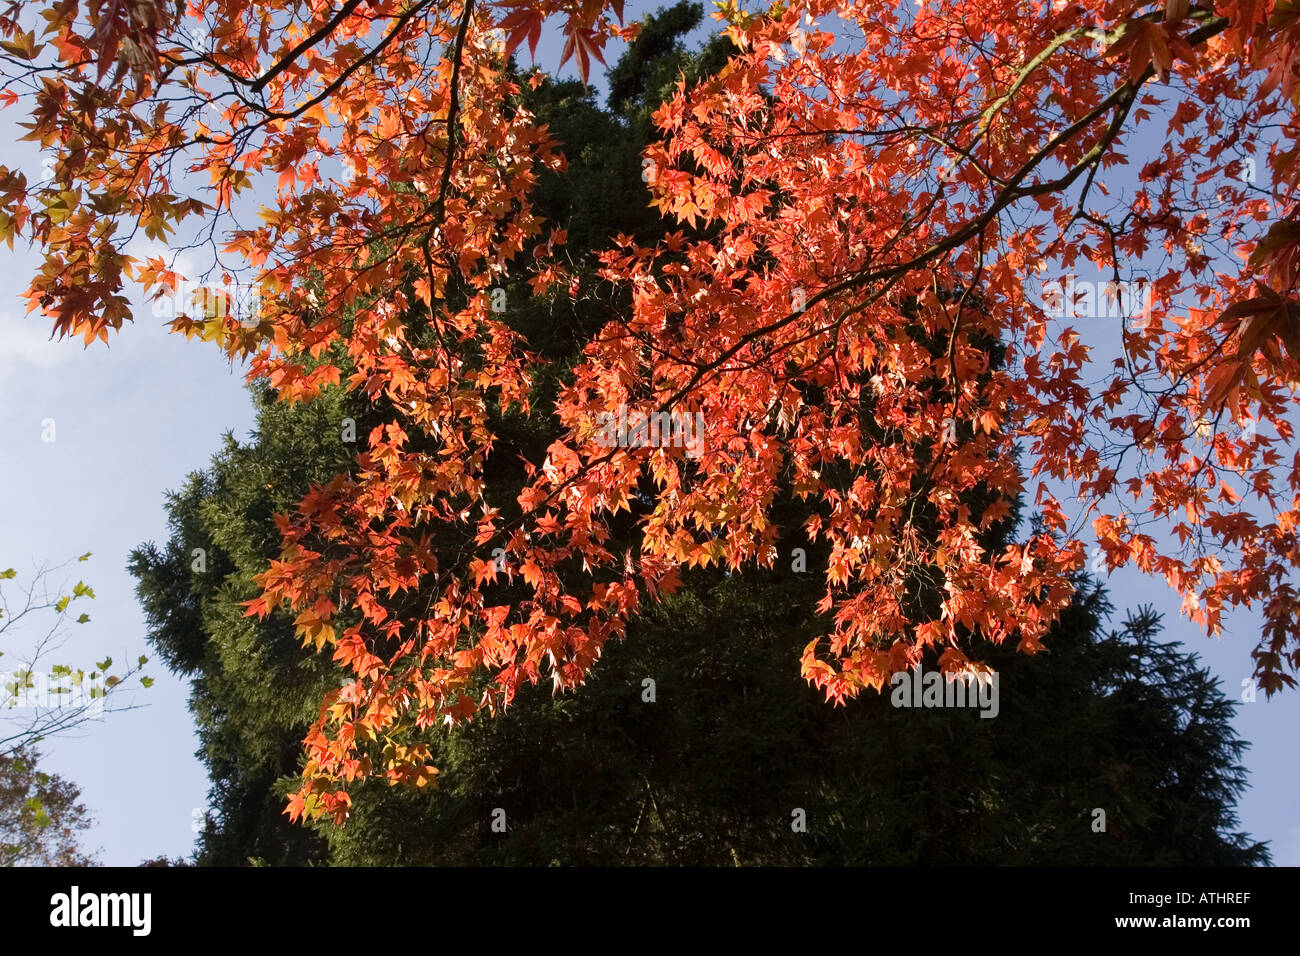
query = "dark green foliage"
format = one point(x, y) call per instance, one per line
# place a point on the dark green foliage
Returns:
point(254, 689)
point(648, 72)
point(711, 771)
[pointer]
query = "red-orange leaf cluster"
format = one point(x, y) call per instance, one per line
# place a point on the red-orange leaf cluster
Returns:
point(875, 197)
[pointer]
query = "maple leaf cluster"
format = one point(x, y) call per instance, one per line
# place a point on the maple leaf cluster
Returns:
point(867, 195)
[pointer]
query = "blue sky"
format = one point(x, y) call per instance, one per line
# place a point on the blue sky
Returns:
point(134, 418)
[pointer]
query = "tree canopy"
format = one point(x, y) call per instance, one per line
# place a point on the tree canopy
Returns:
point(41, 820)
point(870, 206)
point(694, 740)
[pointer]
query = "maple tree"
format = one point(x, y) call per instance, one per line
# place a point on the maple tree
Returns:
point(868, 193)
point(703, 766)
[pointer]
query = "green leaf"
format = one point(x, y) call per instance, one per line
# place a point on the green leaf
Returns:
point(83, 619)
point(8, 573)
point(62, 605)
point(84, 557)
point(146, 681)
point(105, 664)
point(142, 661)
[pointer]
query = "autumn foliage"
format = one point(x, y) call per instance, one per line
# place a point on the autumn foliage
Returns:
point(870, 197)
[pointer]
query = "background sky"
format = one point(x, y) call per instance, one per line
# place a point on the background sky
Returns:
point(133, 418)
